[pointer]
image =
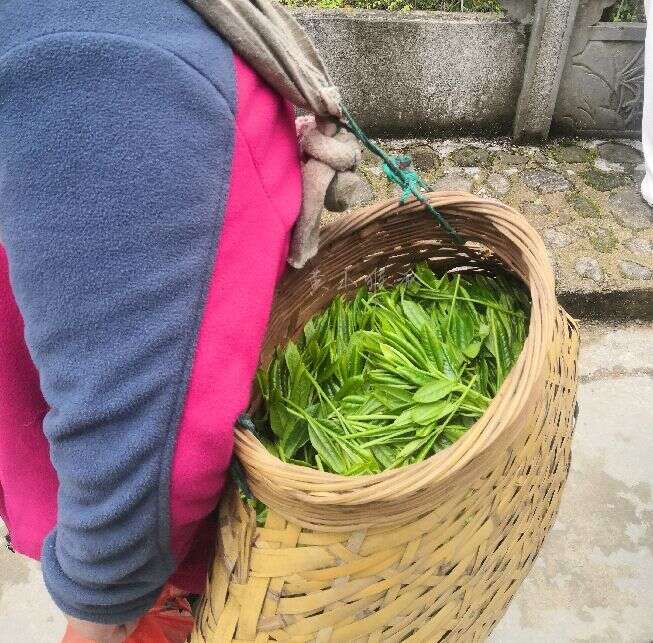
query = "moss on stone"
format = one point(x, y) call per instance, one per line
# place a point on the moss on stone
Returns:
point(380, 185)
point(424, 158)
point(511, 159)
point(571, 153)
point(583, 205)
point(603, 181)
point(470, 157)
point(603, 240)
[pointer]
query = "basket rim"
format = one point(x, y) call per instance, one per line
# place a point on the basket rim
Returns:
point(314, 498)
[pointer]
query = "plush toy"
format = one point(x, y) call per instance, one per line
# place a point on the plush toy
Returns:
point(328, 151)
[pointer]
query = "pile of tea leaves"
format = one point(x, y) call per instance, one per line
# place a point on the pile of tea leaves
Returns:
point(393, 375)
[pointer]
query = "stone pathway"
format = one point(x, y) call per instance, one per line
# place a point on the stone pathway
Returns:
point(582, 196)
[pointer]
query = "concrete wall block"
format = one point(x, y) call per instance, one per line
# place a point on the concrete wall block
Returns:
point(547, 63)
point(423, 73)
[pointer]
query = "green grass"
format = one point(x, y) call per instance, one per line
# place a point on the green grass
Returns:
point(625, 11)
point(622, 11)
point(401, 5)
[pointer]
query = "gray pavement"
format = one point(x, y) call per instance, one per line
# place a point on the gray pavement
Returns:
point(27, 615)
point(593, 580)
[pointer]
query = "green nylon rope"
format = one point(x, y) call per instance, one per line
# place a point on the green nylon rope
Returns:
point(358, 132)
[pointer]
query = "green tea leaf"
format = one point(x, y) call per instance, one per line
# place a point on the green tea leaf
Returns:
point(416, 377)
point(325, 448)
point(310, 328)
point(294, 439)
point(405, 418)
point(434, 391)
point(385, 454)
point(415, 314)
point(281, 421)
point(292, 357)
point(411, 447)
point(429, 413)
point(392, 397)
point(454, 432)
point(426, 276)
point(350, 386)
point(472, 349)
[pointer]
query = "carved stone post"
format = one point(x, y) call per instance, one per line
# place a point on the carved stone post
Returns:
point(553, 24)
point(602, 85)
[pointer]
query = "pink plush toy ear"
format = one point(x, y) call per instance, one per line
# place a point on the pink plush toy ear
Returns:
point(303, 124)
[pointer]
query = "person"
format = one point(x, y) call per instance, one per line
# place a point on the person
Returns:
point(647, 113)
point(149, 183)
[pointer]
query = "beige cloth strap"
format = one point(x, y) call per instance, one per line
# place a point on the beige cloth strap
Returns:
point(273, 43)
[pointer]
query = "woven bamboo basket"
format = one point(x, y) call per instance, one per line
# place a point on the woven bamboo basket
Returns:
point(433, 551)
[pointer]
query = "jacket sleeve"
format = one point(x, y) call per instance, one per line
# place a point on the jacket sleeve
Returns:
point(115, 157)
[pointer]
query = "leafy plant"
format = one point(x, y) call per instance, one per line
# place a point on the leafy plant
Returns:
point(394, 375)
point(402, 5)
point(625, 11)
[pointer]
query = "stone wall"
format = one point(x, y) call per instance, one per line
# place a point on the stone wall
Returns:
point(546, 64)
point(423, 73)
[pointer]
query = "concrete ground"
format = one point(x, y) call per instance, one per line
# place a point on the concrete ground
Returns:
point(593, 580)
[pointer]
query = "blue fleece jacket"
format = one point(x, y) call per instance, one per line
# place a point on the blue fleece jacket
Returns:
point(115, 118)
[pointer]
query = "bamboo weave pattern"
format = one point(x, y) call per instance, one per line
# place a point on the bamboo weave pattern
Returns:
point(433, 551)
